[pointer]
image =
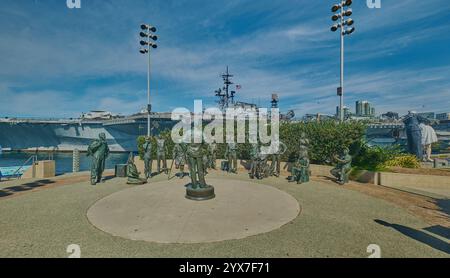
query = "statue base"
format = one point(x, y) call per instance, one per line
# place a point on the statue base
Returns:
point(200, 194)
point(137, 182)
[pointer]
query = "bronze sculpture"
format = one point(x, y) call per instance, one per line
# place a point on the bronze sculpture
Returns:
point(179, 158)
point(254, 153)
point(304, 142)
point(258, 168)
point(161, 151)
point(148, 158)
point(413, 133)
point(300, 171)
point(343, 167)
point(275, 167)
point(262, 167)
point(231, 156)
point(132, 172)
point(99, 151)
point(198, 189)
point(212, 150)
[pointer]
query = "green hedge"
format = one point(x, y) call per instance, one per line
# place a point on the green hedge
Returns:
point(164, 134)
point(326, 139)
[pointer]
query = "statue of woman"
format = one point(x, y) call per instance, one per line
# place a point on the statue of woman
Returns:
point(132, 172)
point(429, 137)
point(300, 172)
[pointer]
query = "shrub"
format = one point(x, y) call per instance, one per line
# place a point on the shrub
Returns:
point(166, 134)
point(374, 158)
point(404, 161)
point(326, 138)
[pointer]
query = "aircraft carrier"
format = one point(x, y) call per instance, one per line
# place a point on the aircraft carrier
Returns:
point(65, 135)
point(69, 134)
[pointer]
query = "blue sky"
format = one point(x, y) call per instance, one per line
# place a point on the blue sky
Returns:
point(58, 62)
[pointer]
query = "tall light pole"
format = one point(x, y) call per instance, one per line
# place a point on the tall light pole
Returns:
point(148, 43)
point(342, 11)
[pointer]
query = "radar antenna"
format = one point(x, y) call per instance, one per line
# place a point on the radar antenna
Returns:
point(226, 97)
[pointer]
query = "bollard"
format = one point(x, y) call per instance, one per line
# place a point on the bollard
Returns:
point(76, 161)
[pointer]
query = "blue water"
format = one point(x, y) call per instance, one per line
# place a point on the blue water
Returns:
point(63, 160)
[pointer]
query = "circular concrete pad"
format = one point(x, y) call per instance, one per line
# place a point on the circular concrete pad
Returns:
point(160, 212)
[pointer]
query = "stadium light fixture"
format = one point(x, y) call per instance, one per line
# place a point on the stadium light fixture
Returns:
point(344, 11)
point(148, 42)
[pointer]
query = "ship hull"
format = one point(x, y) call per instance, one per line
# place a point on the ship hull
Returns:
point(47, 136)
point(122, 134)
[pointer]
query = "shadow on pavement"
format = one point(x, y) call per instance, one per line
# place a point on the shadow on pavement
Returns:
point(107, 178)
point(444, 205)
point(419, 236)
point(440, 231)
point(4, 194)
point(8, 191)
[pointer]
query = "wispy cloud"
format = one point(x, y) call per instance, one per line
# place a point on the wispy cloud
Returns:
point(88, 59)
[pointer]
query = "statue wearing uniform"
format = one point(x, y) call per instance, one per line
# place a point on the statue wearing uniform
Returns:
point(148, 157)
point(212, 150)
point(195, 158)
point(263, 169)
point(161, 155)
point(254, 155)
point(197, 190)
point(300, 171)
point(275, 167)
point(179, 157)
point(343, 167)
point(413, 133)
point(231, 156)
point(98, 151)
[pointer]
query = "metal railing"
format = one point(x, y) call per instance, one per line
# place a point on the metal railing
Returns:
point(33, 160)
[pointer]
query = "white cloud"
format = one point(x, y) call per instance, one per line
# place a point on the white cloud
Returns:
point(285, 50)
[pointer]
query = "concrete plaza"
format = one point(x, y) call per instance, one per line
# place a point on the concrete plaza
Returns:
point(42, 218)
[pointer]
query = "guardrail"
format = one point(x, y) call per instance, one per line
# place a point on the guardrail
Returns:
point(33, 160)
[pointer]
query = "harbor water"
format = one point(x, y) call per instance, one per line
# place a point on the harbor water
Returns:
point(63, 160)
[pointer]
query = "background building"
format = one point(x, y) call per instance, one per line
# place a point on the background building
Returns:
point(364, 109)
point(347, 112)
point(428, 115)
point(391, 116)
point(443, 116)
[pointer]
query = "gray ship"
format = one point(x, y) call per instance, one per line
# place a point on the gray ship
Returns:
point(68, 134)
point(65, 135)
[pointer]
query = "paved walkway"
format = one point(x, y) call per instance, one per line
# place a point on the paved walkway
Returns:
point(161, 213)
point(334, 222)
point(429, 190)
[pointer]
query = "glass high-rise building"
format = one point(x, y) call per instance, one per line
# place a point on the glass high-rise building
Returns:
point(364, 109)
point(347, 112)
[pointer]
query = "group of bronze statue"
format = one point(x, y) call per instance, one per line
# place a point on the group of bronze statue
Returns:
point(202, 157)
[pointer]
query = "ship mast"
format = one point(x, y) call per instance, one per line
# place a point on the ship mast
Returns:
point(226, 97)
